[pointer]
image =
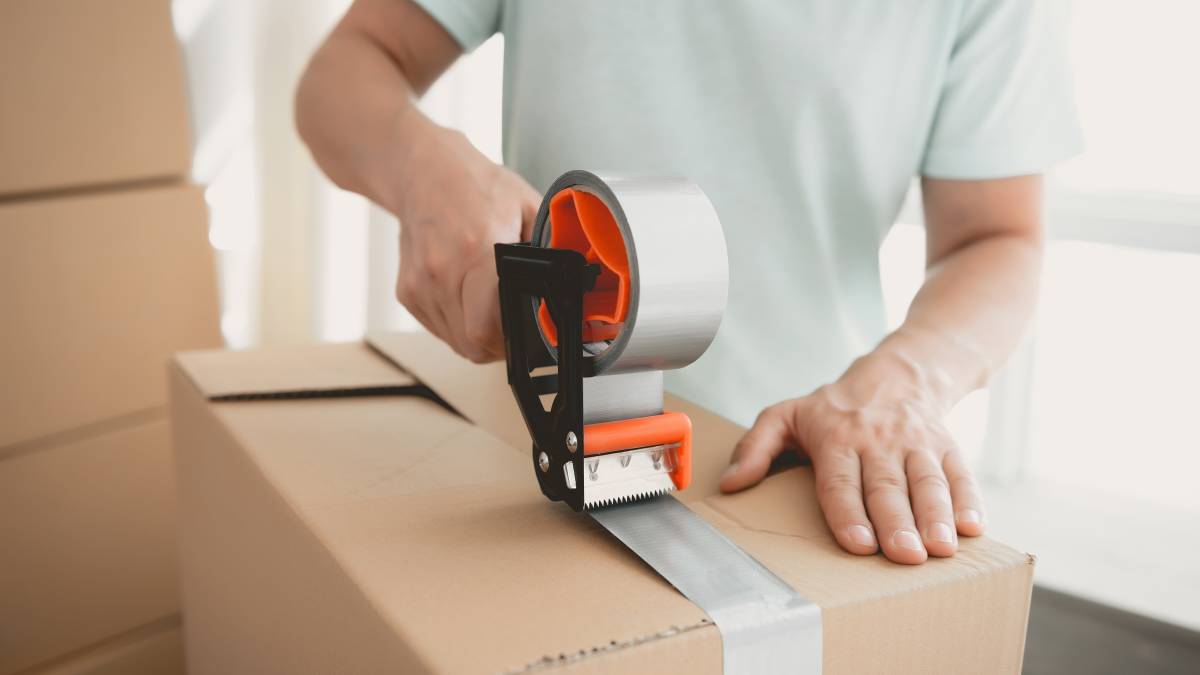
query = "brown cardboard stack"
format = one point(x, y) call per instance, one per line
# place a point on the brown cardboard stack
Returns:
point(334, 518)
point(105, 270)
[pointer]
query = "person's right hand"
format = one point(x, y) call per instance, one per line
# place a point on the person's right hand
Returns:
point(454, 204)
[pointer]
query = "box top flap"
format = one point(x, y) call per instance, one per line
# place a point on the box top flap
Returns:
point(479, 392)
point(429, 516)
point(293, 372)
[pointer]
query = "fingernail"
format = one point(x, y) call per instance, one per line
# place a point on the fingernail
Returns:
point(860, 535)
point(907, 539)
point(941, 532)
point(729, 470)
point(969, 516)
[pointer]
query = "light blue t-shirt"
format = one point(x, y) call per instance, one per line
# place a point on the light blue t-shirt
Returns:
point(803, 121)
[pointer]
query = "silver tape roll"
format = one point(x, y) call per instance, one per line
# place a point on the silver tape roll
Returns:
point(679, 268)
point(621, 397)
point(766, 626)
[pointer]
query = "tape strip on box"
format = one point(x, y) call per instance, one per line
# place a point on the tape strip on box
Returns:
point(766, 626)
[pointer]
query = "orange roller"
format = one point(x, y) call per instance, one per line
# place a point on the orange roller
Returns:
point(581, 222)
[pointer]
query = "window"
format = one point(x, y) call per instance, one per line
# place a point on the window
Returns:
point(1087, 443)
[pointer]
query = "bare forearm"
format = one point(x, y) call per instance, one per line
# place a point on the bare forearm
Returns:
point(349, 109)
point(355, 106)
point(889, 474)
point(984, 249)
point(969, 315)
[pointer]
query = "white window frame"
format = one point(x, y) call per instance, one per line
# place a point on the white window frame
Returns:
point(1079, 532)
point(1139, 220)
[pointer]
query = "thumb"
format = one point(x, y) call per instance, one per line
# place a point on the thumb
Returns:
point(751, 459)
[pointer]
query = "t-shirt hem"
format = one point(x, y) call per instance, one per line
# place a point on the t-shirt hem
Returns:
point(982, 164)
point(463, 24)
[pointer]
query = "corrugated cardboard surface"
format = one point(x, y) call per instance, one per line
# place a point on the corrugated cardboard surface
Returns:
point(96, 291)
point(90, 93)
point(386, 531)
point(88, 542)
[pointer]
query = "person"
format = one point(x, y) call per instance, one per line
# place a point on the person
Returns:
point(805, 123)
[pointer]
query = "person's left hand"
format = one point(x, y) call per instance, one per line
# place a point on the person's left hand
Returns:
point(887, 471)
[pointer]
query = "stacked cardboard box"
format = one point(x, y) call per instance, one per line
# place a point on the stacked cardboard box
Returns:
point(105, 270)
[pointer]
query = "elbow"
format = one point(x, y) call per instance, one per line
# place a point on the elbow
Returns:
point(305, 105)
point(310, 118)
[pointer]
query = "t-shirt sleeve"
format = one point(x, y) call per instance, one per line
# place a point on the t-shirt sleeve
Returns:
point(470, 22)
point(1006, 106)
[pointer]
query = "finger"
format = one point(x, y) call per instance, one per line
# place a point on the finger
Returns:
point(839, 491)
point(411, 300)
point(435, 319)
point(886, 493)
point(481, 307)
point(930, 496)
point(752, 457)
point(450, 299)
point(421, 301)
point(412, 291)
point(964, 491)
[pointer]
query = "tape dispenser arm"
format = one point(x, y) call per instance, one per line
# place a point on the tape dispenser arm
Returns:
point(560, 277)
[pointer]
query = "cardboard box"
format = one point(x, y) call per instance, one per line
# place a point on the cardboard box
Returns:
point(88, 542)
point(348, 525)
point(154, 649)
point(96, 292)
point(93, 93)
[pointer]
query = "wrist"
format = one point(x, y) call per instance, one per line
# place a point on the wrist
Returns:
point(915, 364)
point(400, 157)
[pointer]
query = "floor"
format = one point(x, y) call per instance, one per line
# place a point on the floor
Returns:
point(1070, 635)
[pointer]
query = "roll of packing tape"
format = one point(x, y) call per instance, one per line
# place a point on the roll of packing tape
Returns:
point(664, 304)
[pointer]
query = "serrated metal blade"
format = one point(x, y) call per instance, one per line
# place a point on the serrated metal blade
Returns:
point(627, 476)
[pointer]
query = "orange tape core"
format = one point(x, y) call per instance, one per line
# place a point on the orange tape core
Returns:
point(581, 222)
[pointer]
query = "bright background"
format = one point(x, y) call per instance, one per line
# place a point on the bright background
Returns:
point(1087, 442)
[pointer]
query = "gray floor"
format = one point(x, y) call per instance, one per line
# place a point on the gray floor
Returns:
point(1068, 635)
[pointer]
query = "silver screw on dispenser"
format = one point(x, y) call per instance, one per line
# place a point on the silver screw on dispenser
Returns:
point(543, 462)
point(572, 441)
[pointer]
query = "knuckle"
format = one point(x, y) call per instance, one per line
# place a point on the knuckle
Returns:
point(842, 436)
point(839, 452)
point(886, 484)
point(963, 485)
point(836, 485)
point(931, 481)
point(406, 290)
point(934, 510)
point(942, 438)
point(478, 333)
point(879, 454)
point(469, 244)
point(766, 414)
point(435, 267)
